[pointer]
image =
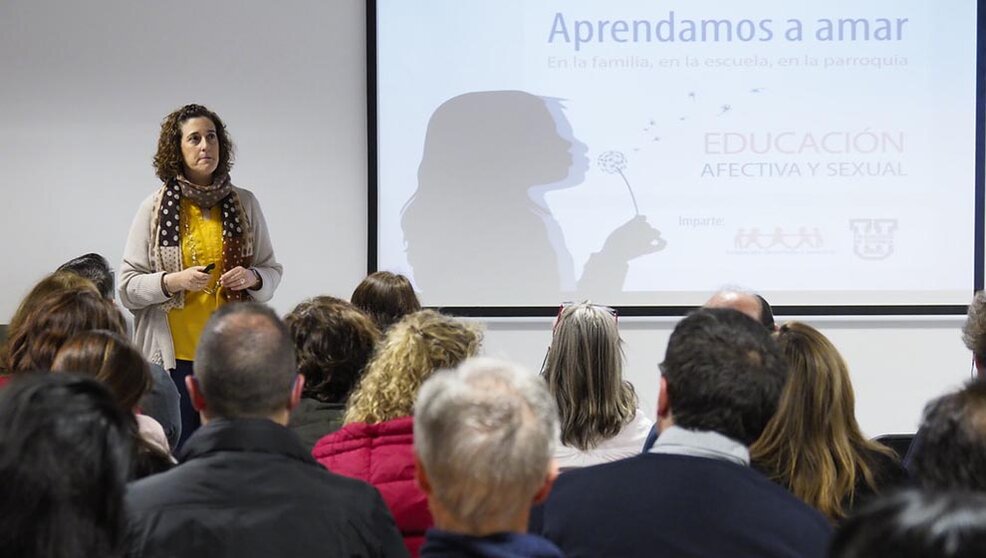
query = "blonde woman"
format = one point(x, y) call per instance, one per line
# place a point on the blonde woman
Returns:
point(376, 443)
point(600, 421)
point(813, 445)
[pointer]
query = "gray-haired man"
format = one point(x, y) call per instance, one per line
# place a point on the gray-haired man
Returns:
point(484, 435)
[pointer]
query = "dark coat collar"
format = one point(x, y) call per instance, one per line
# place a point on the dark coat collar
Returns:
point(246, 435)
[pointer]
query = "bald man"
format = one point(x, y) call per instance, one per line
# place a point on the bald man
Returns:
point(751, 304)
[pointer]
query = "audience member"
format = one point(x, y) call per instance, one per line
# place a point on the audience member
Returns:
point(600, 421)
point(55, 282)
point(751, 304)
point(246, 486)
point(52, 321)
point(914, 524)
point(95, 268)
point(974, 331)
point(952, 455)
point(813, 445)
point(376, 443)
point(974, 337)
point(162, 400)
point(386, 297)
point(694, 493)
point(333, 341)
point(116, 363)
point(484, 436)
point(64, 459)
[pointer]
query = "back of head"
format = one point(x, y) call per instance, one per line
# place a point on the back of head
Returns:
point(724, 374)
point(751, 304)
point(913, 524)
point(766, 314)
point(245, 363)
point(111, 359)
point(974, 330)
point(485, 434)
point(58, 281)
point(819, 394)
point(94, 268)
point(386, 297)
point(813, 444)
point(584, 373)
point(53, 320)
point(953, 450)
point(410, 352)
point(64, 463)
point(333, 341)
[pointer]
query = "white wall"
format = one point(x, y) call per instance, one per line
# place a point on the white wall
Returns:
point(85, 85)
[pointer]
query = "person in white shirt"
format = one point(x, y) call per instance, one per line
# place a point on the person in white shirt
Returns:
point(600, 420)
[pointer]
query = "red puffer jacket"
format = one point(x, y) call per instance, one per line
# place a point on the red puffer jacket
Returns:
point(383, 455)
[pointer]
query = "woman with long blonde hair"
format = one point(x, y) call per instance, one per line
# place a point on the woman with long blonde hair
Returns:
point(583, 369)
point(376, 443)
point(813, 445)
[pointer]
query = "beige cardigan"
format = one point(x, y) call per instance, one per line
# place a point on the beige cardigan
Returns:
point(140, 288)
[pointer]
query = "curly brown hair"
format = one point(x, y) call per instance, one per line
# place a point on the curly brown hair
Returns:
point(168, 161)
point(333, 341)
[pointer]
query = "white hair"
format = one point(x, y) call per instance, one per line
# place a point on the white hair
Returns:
point(485, 434)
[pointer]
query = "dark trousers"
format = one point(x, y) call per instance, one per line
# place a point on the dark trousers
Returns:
point(189, 416)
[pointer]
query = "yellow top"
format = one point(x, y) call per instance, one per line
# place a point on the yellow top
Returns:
point(201, 244)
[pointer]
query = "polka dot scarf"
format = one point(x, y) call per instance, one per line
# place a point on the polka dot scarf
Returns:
point(237, 233)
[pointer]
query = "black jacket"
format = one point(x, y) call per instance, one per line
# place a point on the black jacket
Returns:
point(161, 403)
point(312, 419)
point(682, 506)
point(248, 488)
point(443, 544)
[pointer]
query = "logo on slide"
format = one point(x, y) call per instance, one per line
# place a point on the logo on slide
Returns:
point(873, 239)
point(778, 240)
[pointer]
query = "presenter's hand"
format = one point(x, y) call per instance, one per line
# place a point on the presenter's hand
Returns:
point(189, 279)
point(238, 278)
point(633, 239)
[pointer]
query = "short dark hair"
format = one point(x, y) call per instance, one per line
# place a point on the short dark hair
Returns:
point(915, 524)
point(95, 268)
point(64, 465)
point(245, 362)
point(766, 313)
point(333, 341)
point(386, 297)
point(168, 160)
point(724, 374)
point(952, 452)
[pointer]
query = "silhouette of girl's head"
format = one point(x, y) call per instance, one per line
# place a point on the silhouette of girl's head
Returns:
point(511, 138)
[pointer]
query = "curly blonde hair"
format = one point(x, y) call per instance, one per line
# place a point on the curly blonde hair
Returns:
point(413, 349)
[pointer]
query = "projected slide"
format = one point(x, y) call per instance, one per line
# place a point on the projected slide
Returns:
point(648, 153)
